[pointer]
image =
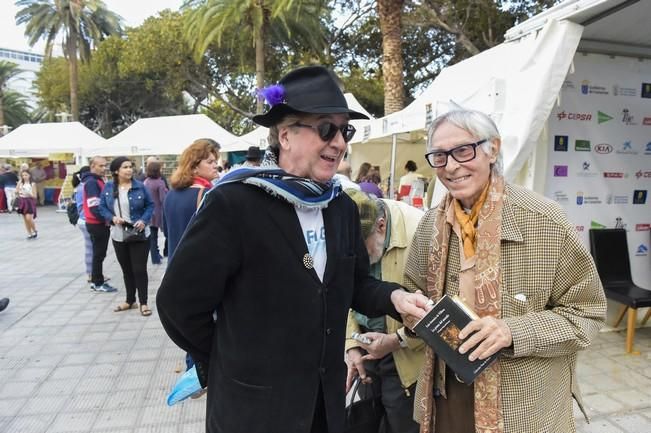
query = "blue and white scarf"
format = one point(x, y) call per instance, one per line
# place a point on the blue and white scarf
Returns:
point(298, 191)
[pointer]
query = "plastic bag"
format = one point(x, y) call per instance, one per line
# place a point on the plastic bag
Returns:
point(186, 386)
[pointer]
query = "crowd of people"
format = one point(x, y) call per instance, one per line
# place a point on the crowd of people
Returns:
point(286, 280)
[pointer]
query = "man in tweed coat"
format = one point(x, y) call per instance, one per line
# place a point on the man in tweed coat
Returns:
point(513, 256)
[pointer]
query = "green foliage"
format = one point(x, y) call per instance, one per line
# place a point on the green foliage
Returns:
point(16, 109)
point(53, 86)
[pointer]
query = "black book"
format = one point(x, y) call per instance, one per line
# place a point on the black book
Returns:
point(440, 330)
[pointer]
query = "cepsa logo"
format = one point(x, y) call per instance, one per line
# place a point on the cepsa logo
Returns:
point(614, 174)
point(580, 228)
point(603, 148)
point(644, 174)
point(582, 117)
point(642, 227)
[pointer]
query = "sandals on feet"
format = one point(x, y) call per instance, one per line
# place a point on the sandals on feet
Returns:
point(124, 307)
point(144, 310)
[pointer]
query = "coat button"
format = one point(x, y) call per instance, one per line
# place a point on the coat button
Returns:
point(322, 370)
point(328, 331)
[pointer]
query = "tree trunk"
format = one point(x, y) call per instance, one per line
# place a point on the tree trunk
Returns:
point(74, 77)
point(259, 58)
point(390, 13)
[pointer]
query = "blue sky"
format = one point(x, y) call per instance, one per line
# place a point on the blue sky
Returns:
point(134, 13)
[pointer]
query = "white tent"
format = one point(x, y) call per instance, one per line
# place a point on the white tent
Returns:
point(43, 139)
point(168, 135)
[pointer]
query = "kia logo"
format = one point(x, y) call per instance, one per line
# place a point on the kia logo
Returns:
point(603, 148)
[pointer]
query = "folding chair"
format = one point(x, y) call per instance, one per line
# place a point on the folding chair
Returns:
point(609, 249)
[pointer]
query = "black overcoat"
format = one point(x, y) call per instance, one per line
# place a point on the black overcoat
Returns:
point(280, 331)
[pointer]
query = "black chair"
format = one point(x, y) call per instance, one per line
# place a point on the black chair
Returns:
point(609, 249)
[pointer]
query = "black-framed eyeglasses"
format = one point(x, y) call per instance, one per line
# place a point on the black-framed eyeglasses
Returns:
point(328, 130)
point(463, 153)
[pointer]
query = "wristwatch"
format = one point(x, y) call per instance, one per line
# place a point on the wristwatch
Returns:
point(403, 343)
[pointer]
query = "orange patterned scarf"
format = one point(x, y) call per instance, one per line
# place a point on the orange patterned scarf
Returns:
point(487, 404)
point(468, 222)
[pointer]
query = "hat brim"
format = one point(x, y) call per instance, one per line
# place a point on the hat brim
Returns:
point(277, 112)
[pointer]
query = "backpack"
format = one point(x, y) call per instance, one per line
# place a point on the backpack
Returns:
point(73, 214)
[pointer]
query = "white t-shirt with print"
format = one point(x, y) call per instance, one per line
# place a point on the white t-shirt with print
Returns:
point(314, 234)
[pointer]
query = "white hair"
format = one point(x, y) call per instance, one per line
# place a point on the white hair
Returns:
point(476, 123)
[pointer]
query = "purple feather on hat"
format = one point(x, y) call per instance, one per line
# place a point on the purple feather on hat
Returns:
point(274, 94)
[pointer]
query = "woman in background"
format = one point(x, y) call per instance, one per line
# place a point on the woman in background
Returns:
point(78, 197)
point(26, 191)
point(194, 175)
point(125, 202)
point(157, 190)
point(362, 172)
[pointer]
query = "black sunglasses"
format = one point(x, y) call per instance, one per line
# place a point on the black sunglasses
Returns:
point(328, 130)
point(463, 153)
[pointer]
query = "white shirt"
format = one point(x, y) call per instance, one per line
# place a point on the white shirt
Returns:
point(314, 234)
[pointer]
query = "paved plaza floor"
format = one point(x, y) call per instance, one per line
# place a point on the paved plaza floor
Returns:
point(68, 363)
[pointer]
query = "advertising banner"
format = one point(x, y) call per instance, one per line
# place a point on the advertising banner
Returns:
point(599, 158)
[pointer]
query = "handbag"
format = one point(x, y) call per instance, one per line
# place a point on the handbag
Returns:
point(15, 203)
point(131, 234)
point(364, 415)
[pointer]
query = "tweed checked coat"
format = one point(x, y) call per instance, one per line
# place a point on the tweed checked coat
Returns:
point(551, 299)
point(279, 334)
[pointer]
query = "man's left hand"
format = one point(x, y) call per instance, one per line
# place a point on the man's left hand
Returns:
point(381, 345)
point(489, 334)
point(410, 304)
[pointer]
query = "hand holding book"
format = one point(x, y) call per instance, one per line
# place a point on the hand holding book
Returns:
point(449, 323)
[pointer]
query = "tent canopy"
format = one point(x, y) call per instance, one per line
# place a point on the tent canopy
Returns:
point(167, 135)
point(43, 139)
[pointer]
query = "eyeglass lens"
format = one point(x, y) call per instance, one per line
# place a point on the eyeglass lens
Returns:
point(328, 130)
point(463, 153)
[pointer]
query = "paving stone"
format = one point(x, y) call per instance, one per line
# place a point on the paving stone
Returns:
point(117, 418)
point(10, 406)
point(43, 404)
point(632, 422)
point(73, 422)
point(600, 426)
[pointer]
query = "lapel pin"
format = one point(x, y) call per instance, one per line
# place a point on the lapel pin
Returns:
point(308, 261)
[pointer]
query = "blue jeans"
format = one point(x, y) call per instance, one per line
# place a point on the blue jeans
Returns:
point(153, 246)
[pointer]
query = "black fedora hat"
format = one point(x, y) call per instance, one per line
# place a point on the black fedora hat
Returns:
point(311, 90)
point(253, 153)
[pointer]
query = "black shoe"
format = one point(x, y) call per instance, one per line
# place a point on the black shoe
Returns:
point(3, 303)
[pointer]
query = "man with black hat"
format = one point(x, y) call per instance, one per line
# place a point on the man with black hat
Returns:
point(286, 261)
point(253, 157)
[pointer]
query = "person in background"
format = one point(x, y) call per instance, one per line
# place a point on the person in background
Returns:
point(39, 177)
point(276, 252)
point(93, 183)
point(78, 197)
point(157, 190)
point(370, 184)
point(253, 157)
point(393, 358)
point(3, 198)
point(364, 168)
point(126, 202)
point(411, 175)
point(191, 179)
point(344, 171)
point(10, 181)
point(514, 258)
point(26, 191)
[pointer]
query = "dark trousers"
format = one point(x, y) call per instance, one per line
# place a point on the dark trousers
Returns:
point(153, 246)
point(456, 413)
point(99, 237)
point(398, 402)
point(132, 257)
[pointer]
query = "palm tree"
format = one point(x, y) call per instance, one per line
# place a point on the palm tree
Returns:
point(8, 70)
point(390, 14)
point(211, 19)
point(82, 23)
point(16, 109)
